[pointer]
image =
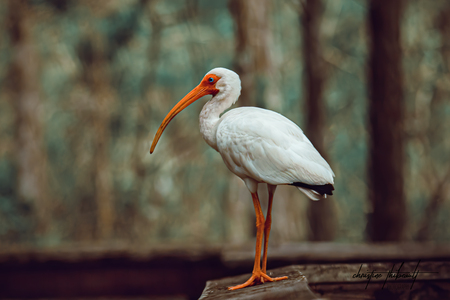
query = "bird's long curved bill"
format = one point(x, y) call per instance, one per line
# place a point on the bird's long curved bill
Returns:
point(193, 95)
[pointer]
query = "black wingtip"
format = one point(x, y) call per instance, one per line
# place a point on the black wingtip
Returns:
point(321, 189)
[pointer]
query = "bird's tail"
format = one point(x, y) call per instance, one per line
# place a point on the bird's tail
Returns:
point(315, 192)
point(313, 195)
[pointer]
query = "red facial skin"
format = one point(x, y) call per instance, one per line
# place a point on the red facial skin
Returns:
point(206, 87)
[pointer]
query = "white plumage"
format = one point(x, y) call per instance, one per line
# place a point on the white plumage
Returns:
point(259, 146)
point(262, 146)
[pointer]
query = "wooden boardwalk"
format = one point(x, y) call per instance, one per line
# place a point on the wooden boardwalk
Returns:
point(182, 270)
point(295, 287)
point(343, 281)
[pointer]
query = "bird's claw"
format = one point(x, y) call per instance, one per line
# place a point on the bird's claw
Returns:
point(258, 277)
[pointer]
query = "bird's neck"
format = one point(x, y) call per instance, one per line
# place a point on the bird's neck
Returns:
point(210, 117)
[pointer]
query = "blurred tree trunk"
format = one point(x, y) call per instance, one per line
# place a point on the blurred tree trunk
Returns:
point(431, 135)
point(321, 214)
point(148, 84)
point(143, 112)
point(95, 74)
point(386, 114)
point(253, 36)
point(256, 69)
point(31, 158)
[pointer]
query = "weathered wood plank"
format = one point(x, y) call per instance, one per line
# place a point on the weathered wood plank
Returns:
point(108, 271)
point(295, 287)
point(356, 273)
point(287, 253)
point(343, 281)
point(423, 290)
point(128, 270)
point(329, 252)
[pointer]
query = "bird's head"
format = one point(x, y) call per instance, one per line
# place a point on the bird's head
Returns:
point(221, 83)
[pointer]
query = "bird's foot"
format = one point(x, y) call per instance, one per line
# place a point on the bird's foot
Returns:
point(258, 277)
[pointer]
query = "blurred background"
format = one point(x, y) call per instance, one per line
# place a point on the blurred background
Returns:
point(85, 85)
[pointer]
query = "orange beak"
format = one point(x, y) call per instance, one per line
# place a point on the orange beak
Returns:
point(201, 90)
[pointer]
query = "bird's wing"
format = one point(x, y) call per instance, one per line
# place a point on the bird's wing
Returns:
point(268, 147)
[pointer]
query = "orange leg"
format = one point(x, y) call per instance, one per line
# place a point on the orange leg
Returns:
point(258, 276)
point(267, 226)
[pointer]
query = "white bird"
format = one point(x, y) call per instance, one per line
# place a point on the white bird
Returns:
point(259, 146)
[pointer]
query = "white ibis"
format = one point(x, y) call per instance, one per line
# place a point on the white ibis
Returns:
point(259, 146)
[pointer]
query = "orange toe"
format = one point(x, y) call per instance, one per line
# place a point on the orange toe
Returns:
point(257, 278)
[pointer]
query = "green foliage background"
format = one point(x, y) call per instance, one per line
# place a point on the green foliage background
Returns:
point(153, 54)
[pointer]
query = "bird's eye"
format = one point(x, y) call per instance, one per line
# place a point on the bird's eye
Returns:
point(210, 79)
